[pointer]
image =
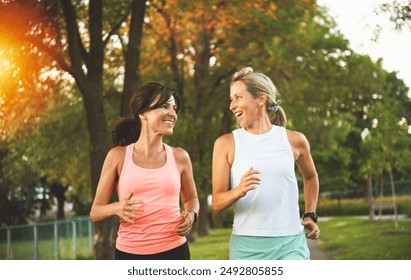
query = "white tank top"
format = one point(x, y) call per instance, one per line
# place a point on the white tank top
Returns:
point(272, 208)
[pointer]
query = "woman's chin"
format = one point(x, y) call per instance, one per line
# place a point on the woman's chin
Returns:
point(168, 132)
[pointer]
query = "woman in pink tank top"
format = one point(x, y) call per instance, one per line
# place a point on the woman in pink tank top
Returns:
point(151, 177)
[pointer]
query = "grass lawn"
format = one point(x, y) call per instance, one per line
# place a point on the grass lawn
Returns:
point(24, 250)
point(212, 247)
point(348, 238)
point(344, 238)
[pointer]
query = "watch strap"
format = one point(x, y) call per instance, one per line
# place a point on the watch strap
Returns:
point(195, 215)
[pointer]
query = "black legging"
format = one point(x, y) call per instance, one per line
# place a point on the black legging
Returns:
point(181, 252)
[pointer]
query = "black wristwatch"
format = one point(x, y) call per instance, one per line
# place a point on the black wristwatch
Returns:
point(311, 215)
point(195, 216)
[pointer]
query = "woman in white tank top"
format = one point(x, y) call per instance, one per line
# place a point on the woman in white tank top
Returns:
point(253, 171)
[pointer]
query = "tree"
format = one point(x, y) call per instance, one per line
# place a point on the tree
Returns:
point(81, 54)
point(400, 13)
point(392, 148)
point(21, 196)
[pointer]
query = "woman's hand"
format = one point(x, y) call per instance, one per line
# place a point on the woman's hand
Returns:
point(248, 182)
point(127, 207)
point(186, 224)
point(312, 228)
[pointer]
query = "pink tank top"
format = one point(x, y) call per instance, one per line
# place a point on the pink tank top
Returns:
point(155, 229)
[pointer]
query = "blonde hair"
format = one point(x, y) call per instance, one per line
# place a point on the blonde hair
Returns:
point(257, 83)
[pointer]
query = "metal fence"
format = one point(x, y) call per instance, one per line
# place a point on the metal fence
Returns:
point(60, 239)
point(402, 188)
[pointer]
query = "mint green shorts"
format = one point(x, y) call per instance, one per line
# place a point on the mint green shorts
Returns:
point(292, 247)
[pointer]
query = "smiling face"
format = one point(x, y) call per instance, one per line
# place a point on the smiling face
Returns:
point(244, 106)
point(162, 119)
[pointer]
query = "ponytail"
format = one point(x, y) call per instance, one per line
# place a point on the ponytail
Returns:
point(125, 131)
point(279, 117)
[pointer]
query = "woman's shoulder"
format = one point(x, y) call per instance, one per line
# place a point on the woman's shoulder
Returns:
point(296, 138)
point(224, 147)
point(117, 153)
point(225, 139)
point(180, 154)
point(294, 133)
point(182, 159)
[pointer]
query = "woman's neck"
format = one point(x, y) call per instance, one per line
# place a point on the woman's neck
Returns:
point(259, 127)
point(149, 145)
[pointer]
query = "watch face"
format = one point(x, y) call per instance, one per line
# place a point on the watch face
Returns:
point(313, 216)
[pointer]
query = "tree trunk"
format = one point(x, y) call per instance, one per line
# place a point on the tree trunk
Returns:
point(132, 56)
point(104, 237)
point(216, 220)
point(394, 200)
point(370, 198)
point(381, 197)
point(105, 234)
point(203, 226)
point(59, 192)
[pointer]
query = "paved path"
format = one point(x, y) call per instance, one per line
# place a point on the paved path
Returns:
point(315, 251)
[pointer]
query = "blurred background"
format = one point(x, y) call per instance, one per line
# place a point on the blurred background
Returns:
point(69, 67)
